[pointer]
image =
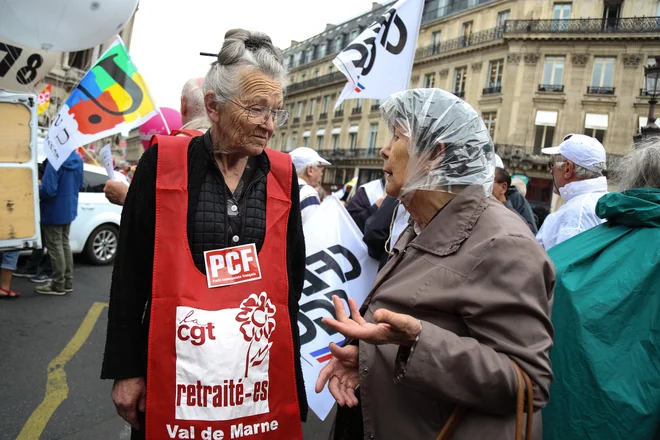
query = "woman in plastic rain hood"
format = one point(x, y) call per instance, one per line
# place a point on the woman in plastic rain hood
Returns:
point(460, 314)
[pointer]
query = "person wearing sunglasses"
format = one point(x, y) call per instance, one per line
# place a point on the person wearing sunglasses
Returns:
point(211, 265)
point(578, 166)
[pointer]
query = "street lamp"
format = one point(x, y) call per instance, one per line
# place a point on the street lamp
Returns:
point(652, 86)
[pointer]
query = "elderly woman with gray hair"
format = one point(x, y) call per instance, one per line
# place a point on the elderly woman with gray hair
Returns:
point(202, 326)
point(458, 320)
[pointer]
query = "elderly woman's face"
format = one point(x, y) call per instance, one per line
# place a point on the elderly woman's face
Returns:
point(237, 134)
point(396, 158)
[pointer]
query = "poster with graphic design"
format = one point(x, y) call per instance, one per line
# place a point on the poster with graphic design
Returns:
point(112, 97)
point(337, 263)
point(222, 359)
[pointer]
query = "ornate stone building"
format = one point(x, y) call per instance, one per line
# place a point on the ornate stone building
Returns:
point(535, 70)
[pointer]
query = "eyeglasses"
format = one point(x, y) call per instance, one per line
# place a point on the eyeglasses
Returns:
point(258, 114)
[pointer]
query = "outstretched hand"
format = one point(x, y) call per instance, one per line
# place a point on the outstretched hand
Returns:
point(341, 374)
point(390, 327)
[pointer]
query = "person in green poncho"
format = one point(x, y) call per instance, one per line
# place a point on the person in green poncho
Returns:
point(606, 357)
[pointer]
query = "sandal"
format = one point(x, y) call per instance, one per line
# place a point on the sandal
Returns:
point(8, 293)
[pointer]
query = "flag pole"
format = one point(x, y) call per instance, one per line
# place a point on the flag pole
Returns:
point(412, 61)
point(167, 127)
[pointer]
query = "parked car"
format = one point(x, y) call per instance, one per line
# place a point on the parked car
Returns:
point(95, 231)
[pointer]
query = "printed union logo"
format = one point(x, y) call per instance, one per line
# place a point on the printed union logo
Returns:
point(234, 265)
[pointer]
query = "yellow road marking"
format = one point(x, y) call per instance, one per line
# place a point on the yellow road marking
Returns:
point(57, 389)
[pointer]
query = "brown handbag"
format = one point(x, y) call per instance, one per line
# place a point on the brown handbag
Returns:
point(523, 382)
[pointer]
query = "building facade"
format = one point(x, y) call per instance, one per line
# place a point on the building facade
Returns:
point(535, 71)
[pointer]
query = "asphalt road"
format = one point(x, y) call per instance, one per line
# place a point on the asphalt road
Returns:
point(57, 342)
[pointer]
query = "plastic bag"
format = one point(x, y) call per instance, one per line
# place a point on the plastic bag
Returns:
point(450, 147)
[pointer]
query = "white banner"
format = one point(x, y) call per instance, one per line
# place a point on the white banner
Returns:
point(337, 264)
point(379, 61)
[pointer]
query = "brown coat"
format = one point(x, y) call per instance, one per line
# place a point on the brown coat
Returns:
point(482, 288)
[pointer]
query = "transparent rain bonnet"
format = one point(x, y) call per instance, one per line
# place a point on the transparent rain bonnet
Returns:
point(433, 118)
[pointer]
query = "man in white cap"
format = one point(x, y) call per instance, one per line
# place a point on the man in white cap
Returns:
point(309, 167)
point(577, 167)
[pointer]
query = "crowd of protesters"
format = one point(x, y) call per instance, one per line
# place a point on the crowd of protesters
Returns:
point(477, 301)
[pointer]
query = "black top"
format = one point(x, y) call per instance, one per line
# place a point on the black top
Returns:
point(208, 202)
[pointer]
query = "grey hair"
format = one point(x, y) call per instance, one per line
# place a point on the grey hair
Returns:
point(194, 96)
point(581, 172)
point(243, 50)
point(201, 123)
point(520, 185)
point(302, 170)
point(641, 168)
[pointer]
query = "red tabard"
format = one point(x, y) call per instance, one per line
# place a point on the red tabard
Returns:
point(221, 360)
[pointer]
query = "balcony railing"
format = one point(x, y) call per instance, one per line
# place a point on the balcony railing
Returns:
point(339, 155)
point(375, 107)
point(552, 88)
point(601, 90)
point(309, 118)
point(356, 110)
point(315, 82)
point(644, 92)
point(584, 25)
point(339, 113)
point(453, 7)
point(296, 120)
point(492, 90)
point(457, 43)
point(459, 93)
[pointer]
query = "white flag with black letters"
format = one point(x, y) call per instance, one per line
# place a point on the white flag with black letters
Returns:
point(379, 61)
point(338, 264)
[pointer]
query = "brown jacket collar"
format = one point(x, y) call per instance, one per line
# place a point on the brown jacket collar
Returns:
point(452, 225)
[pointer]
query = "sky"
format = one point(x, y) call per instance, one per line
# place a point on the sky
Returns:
point(168, 35)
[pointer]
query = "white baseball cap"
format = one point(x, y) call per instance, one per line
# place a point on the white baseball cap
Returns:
point(305, 156)
point(581, 150)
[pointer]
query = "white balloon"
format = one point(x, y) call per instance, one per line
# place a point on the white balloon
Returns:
point(21, 67)
point(63, 25)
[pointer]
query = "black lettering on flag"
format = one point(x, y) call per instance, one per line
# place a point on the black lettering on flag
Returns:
point(367, 48)
point(364, 52)
point(316, 284)
point(126, 82)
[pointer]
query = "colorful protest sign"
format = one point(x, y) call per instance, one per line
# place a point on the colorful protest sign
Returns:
point(112, 97)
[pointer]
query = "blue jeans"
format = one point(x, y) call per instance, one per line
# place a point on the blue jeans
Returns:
point(10, 260)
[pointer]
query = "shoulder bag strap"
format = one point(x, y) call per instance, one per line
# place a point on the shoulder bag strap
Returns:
point(524, 382)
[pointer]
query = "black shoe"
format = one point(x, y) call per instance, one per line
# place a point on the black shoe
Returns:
point(22, 272)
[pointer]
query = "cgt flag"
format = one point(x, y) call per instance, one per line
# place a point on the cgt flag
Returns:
point(337, 263)
point(379, 61)
point(112, 97)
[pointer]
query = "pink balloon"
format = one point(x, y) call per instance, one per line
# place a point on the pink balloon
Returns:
point(155, 125)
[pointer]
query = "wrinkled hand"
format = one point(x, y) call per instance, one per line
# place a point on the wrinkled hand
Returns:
point(341, 374)
point(391, 328)
point(115, 192)
point(129, 397)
